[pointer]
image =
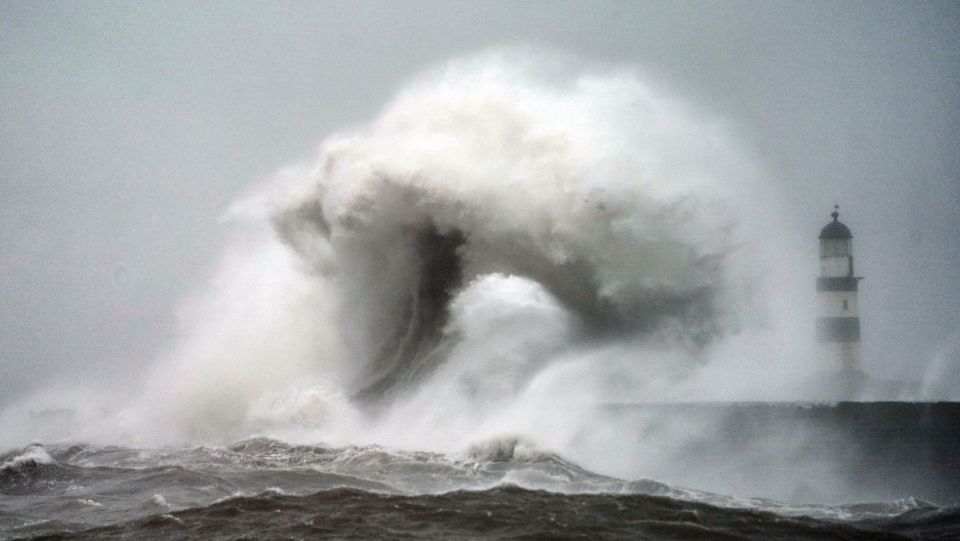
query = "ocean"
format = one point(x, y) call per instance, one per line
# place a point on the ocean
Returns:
point(263, 488)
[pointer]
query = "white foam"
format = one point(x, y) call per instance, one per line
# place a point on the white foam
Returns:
point(616, 246)
point(35, 454)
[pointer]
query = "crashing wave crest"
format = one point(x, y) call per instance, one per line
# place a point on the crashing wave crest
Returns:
point(505, 241)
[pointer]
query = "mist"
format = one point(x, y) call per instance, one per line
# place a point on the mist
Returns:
point(128, 132)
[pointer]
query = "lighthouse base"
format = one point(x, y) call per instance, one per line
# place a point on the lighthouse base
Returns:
point(846, 383)
point(845, 356)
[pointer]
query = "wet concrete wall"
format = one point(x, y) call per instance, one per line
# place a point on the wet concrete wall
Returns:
point(827, 452)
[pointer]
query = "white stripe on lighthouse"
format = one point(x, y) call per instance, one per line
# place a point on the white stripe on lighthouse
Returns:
point(837, 304)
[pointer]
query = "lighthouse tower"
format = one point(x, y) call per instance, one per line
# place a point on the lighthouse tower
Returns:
point(838, 321)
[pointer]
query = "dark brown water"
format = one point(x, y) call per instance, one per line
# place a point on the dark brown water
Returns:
point(267, 489)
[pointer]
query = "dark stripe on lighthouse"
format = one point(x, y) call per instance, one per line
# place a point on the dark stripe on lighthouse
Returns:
point(838, 329)
point(843, 283)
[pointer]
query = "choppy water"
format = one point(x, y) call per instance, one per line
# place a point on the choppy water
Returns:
point(263, 488)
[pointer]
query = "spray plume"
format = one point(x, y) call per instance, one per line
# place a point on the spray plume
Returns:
point(514, 239)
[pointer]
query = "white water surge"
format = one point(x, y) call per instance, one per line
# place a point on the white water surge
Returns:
point(514, 239)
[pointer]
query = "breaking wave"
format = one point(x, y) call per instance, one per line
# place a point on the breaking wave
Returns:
point(516, 241)
point(515, 234)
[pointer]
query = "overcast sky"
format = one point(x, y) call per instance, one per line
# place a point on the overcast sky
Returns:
point(127, 128)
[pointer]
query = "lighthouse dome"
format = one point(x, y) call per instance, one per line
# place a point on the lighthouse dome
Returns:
point(835, 229)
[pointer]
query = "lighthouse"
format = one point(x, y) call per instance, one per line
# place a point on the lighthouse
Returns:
point(838, 320)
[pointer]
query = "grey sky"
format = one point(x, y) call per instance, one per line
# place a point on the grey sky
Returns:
point(127, 128)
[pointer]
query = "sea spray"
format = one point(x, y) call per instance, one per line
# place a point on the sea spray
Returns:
point(513, 238)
